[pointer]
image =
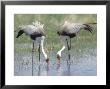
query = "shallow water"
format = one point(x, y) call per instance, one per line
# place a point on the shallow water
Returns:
point(83, 65)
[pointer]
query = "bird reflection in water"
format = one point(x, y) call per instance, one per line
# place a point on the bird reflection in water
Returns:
point(68, 68)
point(39, 70)
point(43, 72)
point(59, 72)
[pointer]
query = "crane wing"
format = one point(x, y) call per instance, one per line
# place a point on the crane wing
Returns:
point(31, 29)
point(74, 28)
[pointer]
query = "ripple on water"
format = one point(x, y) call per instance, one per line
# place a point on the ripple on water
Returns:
point(84, 65)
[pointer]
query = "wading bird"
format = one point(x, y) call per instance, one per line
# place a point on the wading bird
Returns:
point(69, 30)
point(36, 33)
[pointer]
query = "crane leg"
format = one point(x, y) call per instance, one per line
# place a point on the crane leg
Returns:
point(39, 70)
point(68, 50)
point(67, 44)
point(39, 52)
point(69, 56)
point(33, 47)
point(32, 57)
point(70, 44)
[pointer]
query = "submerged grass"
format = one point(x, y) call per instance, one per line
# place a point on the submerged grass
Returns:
point(83, 40)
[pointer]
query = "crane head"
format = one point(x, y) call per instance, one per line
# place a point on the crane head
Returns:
point(58, 58)
point(20, 33)
point(47, 60)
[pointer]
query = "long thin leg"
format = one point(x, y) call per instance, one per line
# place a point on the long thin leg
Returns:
point(33, 47)
point(68, 61)
point(70, 43)
point(39, 52)
point(69, 73)
point(68, 49)
point(67, 44)
point(32, 57)
point(39, 69)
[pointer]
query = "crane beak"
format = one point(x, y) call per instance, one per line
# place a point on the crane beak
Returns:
point(58, 57)
point(47, 60)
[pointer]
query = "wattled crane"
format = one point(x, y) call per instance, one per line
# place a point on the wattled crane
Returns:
point(70, 30)
point(36, 33)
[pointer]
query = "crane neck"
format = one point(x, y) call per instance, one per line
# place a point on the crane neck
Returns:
point(59, 52)
point(42, 47)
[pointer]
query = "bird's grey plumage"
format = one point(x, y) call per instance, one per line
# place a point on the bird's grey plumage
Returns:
point(36, 29)
point(71, 29)
point(32, 30)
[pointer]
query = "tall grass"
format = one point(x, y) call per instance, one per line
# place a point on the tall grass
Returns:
point(52, 21)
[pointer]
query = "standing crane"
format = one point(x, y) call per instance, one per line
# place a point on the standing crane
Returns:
point(69, 30)
point(36, 33)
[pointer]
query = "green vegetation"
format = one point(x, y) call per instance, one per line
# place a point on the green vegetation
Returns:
point(51, 24)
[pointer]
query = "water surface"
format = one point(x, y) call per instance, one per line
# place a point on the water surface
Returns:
point(79, 65)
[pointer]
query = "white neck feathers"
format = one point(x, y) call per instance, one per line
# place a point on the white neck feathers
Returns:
point(59, 52)
point(42, 47)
